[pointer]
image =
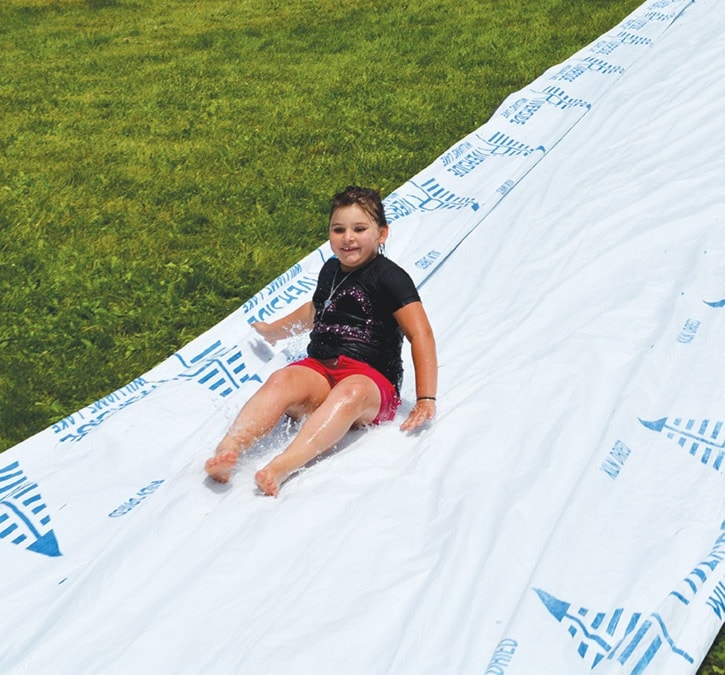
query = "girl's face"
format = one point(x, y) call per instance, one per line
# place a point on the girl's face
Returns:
point(354, 236)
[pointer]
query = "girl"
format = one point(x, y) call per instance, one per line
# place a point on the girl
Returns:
point(360, 310)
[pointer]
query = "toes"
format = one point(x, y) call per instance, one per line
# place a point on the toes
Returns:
point(266, 483)
point(220, 466)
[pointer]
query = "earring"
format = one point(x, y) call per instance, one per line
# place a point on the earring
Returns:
point(381, 249)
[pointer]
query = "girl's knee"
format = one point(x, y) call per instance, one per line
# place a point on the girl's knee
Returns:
point(300, 390)
point(277, 389)
point(355, 393)
point(286, 382)
point(279, 378)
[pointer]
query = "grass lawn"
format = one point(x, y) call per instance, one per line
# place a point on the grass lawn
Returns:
point(162, 161)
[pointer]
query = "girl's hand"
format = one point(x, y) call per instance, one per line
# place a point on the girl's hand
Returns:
point(299, 321)
point(424, 410)
point(266, 331)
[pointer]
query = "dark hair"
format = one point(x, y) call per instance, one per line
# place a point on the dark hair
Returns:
point(366, 198)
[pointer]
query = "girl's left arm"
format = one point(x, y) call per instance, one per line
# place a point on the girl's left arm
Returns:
point(414, 323)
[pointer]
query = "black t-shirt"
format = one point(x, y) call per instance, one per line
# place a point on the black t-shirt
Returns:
point(358, 320)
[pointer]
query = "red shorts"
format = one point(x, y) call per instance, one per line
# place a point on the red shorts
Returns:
point(336, 370)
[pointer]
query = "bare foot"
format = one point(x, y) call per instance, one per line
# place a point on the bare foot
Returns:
point(221, 466)
point(269, 480)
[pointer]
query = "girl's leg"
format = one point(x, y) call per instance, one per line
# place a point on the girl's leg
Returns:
point(296, 390)
point(354, 400)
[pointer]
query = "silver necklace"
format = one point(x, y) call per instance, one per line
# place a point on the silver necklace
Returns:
point(334, 288)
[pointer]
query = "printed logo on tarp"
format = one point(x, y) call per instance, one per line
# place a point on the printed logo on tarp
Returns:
point(716, 601)
point(279, 294)
point(688, 331)
point(637, 23)
point(24, 517)
point(502, 656)
point(627, 38)
point(701, 574)
point(468, 155)
point(660, 16)
point(701, 438)
point(572, 71)
point(679, 6)
point(222, 370)
point(76, 426)
point(505, 187)
point(138, 498)
point(428, 196)
point(428, 259)
point(604, 47)
point(631, 639)
point(614, 462)
point(522, 110)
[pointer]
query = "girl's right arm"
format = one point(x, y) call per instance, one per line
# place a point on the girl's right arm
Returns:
point(414, 323)
point(297, 322)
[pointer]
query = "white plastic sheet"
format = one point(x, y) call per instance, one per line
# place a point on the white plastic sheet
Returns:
point(564, 514)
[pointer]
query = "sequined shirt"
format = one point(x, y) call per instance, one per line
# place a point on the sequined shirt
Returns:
point(358, 320)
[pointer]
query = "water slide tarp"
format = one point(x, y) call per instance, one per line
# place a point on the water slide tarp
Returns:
point(564, 514)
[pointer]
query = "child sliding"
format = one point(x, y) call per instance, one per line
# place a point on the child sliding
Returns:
point(362, 307)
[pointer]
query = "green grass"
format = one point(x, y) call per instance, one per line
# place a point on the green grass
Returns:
point(162, 161)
